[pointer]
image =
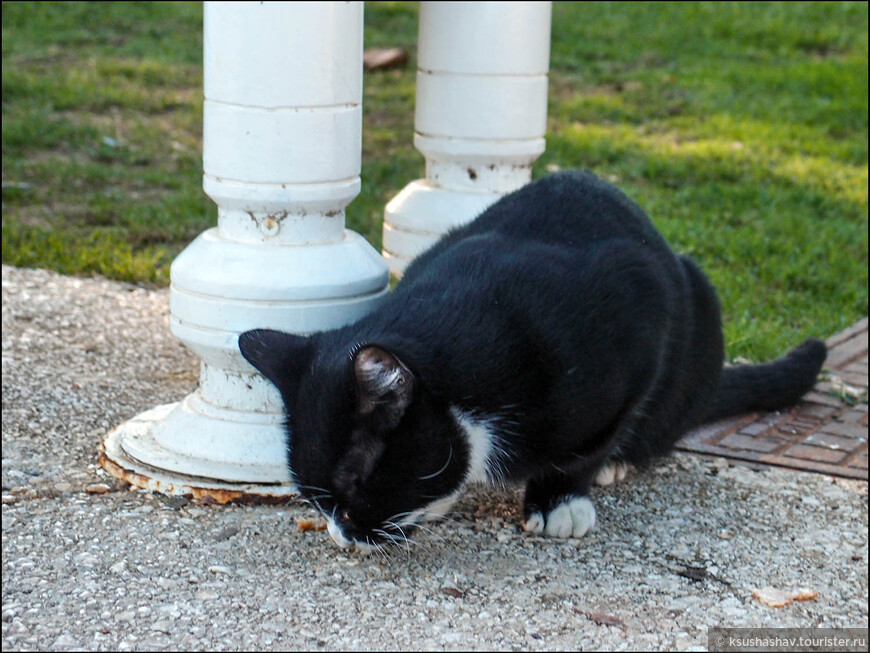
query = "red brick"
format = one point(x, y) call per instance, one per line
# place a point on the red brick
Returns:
point(856, 431)
point(818, 410)
point(853, 416)
point(860, 462)
point(710, 432)
point(754, 429)
point(742, 442)
point(828, 441)
point(805, 425)
point(843, 336)
point(847, 351)
point(804, 452)
point(791, 430)
point(827, 400)
point(855, 379)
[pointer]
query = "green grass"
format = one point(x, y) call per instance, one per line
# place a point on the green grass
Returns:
point(740, 127)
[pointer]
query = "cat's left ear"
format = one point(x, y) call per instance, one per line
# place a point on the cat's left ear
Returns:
point(384, 385)
point(278, 356)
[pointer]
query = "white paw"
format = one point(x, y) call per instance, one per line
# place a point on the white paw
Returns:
point(612, 473)
point(574, 518)
point(535, 523)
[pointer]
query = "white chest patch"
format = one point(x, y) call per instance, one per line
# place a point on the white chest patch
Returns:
point(485, 456)
point(481, 438)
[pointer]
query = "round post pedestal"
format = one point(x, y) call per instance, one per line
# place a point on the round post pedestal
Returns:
point(480, 120)
point(281, 159)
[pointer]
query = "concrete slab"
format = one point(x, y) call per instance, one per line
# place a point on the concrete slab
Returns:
point(89, 564)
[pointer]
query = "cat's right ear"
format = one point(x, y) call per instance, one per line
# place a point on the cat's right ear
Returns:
point(275, 354)
point(384, 385)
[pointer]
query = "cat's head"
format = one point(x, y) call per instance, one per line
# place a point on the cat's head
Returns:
point(369, 445)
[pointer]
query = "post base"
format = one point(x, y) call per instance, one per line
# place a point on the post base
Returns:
point(261, 475)
point(421, 213)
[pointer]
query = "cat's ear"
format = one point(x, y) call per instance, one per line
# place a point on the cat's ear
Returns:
point(384, 385)
point(278, 356)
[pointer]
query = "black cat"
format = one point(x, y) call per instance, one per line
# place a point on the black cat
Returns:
point(553, 336)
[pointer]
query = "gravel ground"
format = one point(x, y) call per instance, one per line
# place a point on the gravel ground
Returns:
point(677, 549)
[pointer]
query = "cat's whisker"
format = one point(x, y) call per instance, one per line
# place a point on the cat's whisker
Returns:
point(395, 539)
point(316, 497)
point(312, 487)
point(314, 502)
point(387, 552)
point(404, 537)
point(439, 518)
point(430, 531)
point(384, 551)
point(397, 527)
point(440, 471)
point(372, 545)
point(310, 502)
point(399, 516)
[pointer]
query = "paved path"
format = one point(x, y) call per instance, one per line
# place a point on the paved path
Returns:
point(89, 564)
point(826, 432)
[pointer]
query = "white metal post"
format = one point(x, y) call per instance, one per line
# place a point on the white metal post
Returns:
point(281, 157)
point(480, 120)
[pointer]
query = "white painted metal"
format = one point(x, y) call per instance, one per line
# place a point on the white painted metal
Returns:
point(281, 158)
point(480, 119)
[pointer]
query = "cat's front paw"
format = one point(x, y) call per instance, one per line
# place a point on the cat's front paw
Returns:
point(573, 517)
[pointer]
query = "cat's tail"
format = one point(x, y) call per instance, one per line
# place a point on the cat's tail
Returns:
point(771, 386)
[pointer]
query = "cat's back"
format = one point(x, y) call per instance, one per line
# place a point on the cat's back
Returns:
point(572, 210)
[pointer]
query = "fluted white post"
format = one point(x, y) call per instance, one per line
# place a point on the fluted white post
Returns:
point(281, 158)
point(481, 116)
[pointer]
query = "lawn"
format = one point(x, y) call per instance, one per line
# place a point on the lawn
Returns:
point(740, 127)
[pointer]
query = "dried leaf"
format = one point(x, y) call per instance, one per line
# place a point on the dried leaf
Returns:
point(603, 619)
point(384, 58)
point(804, 594)
point(306, 525)
point(451, 591)
point(775, 598)
point(772, 597)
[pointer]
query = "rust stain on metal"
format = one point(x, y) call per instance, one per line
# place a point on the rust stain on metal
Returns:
point(203, 494)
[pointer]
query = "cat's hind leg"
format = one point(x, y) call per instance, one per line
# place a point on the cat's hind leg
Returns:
point(613, 472)
point(558, 505)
